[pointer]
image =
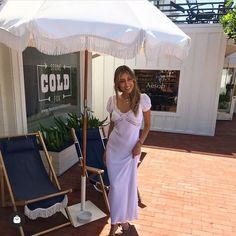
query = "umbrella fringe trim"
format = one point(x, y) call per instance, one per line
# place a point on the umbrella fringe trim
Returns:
point(92, 44)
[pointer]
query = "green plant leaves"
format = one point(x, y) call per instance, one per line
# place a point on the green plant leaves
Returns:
point(228, 21)
point(59, 135)
point(93, 122)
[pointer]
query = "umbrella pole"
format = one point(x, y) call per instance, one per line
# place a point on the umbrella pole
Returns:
point(83, 176)
point(83, 192)
point(87, 210)
point(85, 113)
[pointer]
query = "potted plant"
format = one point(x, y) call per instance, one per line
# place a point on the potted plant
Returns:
point(224, 100)
point(93, 122)
point(59, 141)
point(57, 137)
point(60, 144)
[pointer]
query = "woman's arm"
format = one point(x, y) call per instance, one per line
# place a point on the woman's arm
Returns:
point(111, 126)
point(147, 123)
point(146, 128)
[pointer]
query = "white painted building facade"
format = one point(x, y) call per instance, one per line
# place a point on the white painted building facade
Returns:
point(200, 76)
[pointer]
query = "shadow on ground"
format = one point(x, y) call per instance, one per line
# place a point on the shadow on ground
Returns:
point(222, 143)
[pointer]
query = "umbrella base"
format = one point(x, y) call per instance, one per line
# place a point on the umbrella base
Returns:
point(90, 210)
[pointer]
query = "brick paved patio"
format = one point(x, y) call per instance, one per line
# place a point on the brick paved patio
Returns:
point(187, 184)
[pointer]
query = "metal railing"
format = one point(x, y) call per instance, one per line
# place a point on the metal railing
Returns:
point(194, 13)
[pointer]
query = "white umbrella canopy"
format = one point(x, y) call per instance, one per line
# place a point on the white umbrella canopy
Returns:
point(113, 27)
point(117, 28)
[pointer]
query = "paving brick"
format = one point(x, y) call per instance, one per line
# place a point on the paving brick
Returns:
point(187, 185)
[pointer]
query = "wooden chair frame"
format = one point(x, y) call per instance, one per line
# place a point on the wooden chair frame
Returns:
point(15, 203)
point(93, 171)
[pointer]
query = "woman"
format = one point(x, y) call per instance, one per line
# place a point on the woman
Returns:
point(127, 109)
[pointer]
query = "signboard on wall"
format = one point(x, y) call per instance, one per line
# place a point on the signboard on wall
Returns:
point(54, 82)
point(52, 86)
point(162, 87)
point(49, 87)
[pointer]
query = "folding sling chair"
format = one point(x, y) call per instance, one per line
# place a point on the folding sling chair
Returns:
point(95, 169)
point(27, 180)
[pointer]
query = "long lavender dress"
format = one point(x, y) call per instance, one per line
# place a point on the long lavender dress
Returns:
point(122, 168)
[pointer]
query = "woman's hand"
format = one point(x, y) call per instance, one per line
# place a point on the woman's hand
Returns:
point(137, 149)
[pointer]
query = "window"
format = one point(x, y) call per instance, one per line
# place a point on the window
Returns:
point(226, 89)
point(51, 86)
point(162, 86)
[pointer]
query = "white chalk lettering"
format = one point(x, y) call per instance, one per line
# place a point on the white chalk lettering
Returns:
point(53, 82)
point(66, 81)
point(44, 83)
point(59, 83)
point(152, 85)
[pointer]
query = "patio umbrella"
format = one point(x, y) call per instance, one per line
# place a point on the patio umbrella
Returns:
point(117, 28)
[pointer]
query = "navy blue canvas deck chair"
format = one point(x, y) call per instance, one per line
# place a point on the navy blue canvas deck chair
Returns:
point(27, 180)
point(95, 169)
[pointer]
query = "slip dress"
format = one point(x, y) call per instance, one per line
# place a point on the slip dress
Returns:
point(121, 166)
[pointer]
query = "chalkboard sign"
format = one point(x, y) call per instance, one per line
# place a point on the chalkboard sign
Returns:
point(51, 87)
point(162, 87)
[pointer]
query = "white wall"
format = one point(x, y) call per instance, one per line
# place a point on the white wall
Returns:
point(200, 75)
point(4, 65)
point(13, 118)
point(5, 91)
point(12, 104)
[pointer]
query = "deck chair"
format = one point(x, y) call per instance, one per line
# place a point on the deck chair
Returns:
point(95, 169)
point(28, 182)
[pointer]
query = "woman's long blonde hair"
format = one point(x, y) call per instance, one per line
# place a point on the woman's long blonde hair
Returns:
point(135, 94)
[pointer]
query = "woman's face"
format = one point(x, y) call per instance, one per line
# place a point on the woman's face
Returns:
point(126, 83)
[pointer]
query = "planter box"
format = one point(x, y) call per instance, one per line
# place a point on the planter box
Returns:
point(62, 160)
